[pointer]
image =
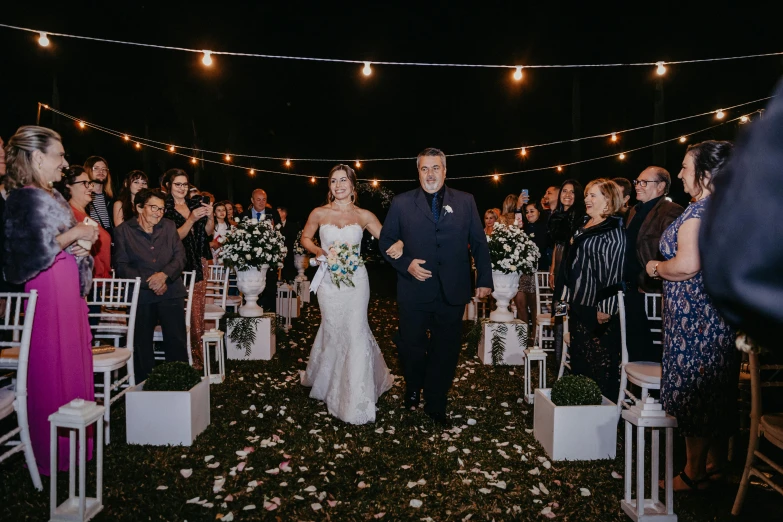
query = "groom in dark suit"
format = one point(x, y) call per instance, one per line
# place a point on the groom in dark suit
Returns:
point(440, 228)
point(259, 210)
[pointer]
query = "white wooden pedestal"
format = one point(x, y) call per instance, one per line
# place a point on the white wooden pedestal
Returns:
point(264, 347)
point(514, 354)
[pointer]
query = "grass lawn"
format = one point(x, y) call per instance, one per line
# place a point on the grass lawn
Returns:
point(299, 463)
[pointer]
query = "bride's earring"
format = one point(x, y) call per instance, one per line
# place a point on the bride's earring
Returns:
point(353, 198)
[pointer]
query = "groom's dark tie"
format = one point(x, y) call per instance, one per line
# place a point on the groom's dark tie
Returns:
point(435, 211)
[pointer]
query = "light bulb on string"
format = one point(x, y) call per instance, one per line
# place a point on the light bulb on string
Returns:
point(683, 139)
point(719, 114)
point(207, 58)
point(496, 177)
point(358, 164)
point(193, 160)
point(660, 68)
point(252, 172)
point(523, 152)
point(367, 71)
point(744, 119)
point(375, 183)
point(288, 163)
point(81, 125)
point(518, 73)
point(126, 137)
point(559, 168)
point(171, 148)
point(138, 145)
point(614, 137)
point(312, 180)
point(622, 156)
point(227, 157)
point(43, 40)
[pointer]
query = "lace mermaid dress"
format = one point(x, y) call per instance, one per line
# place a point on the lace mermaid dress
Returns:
point(346, 369)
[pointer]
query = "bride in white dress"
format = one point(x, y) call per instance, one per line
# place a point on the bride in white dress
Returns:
point(346, 369)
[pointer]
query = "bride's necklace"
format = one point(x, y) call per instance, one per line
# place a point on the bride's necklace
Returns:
point(343, 207)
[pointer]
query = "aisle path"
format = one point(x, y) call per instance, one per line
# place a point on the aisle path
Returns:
point(272, 453)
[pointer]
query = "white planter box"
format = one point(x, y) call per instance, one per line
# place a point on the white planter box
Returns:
point(514, 354)
point(262, 350)
point(575, 432)
point(164, 417)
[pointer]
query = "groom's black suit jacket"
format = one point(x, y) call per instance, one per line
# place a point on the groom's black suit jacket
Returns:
point(445, 246)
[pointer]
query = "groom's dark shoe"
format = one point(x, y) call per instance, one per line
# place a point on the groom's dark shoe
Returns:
point(412, 399)
point(439, 418)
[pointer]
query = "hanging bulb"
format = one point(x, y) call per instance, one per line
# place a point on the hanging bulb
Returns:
point(614, 137)
point(252, 172)
point(43, 40)
point(288, 163)
point(683, 139)
point(660, 69)
point(126, 137)
point(227, 157)
point(744, 119)
point(312, 180)
point(622, 155)
point(138, 145)
point(81, 124)
point(171, 148)
point(496, 177)
point(367, 71)
point(193, 160)
point(518, 73)
point(358, 164)
point(523, 152)
point(559, 168)
point(207, 59)
point(720, 114)
point(375, 183)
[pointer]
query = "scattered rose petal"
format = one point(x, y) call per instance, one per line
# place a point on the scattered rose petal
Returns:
point(229, 498)
point(412, 484)
point(162, 488)
point(249, 507)
point(316, 506)
point(585, 492)
point(451, 449)
point(416, 503)
point(534, 471)
point(194, 500)
point(310, 489)
point(543, 489)
point(471, 422)
point(362, 485)
point(213, 465)
point(186, 472)
point(379, 515)
point(208, 458)
point(485, 490)
point(616, 475)
point(499, 484)
point(241, 466)
point(228, 518)
point(331, 503)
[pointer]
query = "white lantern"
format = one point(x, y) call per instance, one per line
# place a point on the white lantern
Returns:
point(648, 413)
point(76, 416)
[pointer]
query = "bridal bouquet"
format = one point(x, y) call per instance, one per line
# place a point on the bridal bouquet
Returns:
point(252, 244)
point(343, 260)
point(511, 250)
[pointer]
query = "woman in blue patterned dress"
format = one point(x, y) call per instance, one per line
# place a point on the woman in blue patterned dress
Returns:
point(700, 363)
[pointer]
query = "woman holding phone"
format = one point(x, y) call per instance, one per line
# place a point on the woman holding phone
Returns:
point(195, 225)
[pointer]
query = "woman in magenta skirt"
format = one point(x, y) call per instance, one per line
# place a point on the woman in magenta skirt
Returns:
point(41, 252)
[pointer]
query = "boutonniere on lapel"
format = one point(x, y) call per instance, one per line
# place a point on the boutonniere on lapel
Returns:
point(448, 209)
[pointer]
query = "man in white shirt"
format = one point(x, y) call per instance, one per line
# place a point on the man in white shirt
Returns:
point(261, 211)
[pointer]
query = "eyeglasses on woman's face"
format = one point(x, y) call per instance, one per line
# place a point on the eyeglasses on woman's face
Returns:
point(87, 183)
point(154, 208)
point(180, 185)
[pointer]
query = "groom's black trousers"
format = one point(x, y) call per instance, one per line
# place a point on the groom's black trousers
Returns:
point(430, 363)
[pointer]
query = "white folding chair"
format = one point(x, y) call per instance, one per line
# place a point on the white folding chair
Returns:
point(189, 280)
point(122, 295)
point(233, 301)
point(645, 374)
point(544, 323)
point(17, 320)
point(217, 289)
point(565, 359)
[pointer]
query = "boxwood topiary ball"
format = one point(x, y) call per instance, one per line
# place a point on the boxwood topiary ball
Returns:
point(576, 390)
point(172, 376)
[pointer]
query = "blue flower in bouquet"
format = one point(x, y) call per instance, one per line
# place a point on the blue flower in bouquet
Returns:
point(343, 260)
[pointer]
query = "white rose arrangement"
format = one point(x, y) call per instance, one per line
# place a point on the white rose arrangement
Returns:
point(511, 250)
point(252, 244)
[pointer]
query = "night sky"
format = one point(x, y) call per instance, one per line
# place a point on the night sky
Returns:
point(322, 110)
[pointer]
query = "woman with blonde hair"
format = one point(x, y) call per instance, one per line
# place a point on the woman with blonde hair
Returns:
point(41, 252)
point(592, 275)
point(508, 213)
point(491, 217)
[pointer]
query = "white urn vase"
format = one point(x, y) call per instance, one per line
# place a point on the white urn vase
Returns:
point(251, 283)
point(302, 262)
point(506, 287)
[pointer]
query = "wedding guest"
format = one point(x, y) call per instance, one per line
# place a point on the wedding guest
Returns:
point(261, 211)
point(149, 247)
point(700, 363)
point(229, 212)
point(195, 226)
point(100, 209)
point(76, 188)
point(536, 228)
point(124, 207)
point(41, 252)
point(221, 227)
point(508, 211)
point(627, 191)
point(238, 210)
point(550, 199)
point(647, 221)
point(592, 274)
point(490, 218)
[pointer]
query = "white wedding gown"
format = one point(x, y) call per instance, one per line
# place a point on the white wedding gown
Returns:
point(346, 368)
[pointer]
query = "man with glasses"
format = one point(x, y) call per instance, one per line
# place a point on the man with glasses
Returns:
point(647, 221)
point(149, 247)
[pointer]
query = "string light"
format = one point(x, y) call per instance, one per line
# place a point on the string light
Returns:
point(288, 163)
point(744, 119)
point(622, 155)
point(312, 179)
point(358, 164)
point(367, 71)
point(559, 168)
point(207, 58)
point(518, 73)
point(614, 137)
point(126, 137)
point(523, 152)
point(660, 68)
point(227, 157)
point(720, 114)
point(43, 40)
point(193, 160)
point(375, 183)
point(171, 148)
point(81, 125)
point(138, 145)
point(683, 139)
point(496, 177)
point(252, 172)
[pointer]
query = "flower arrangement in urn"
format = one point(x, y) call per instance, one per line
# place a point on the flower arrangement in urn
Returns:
point(511, 250)
point(249, 247)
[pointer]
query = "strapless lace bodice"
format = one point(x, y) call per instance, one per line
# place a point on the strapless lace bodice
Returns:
point(349, 234)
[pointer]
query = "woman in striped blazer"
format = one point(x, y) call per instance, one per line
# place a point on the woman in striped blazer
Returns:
point(593, 276)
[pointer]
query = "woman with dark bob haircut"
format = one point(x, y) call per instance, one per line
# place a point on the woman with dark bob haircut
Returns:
point(700, 367)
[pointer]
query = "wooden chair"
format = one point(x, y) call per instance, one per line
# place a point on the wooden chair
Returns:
point(769, 426)
point(117, 300)
point(217, 291)
point(189, 280)
point(645, 374)
point(17, 322)
point(544, 320)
